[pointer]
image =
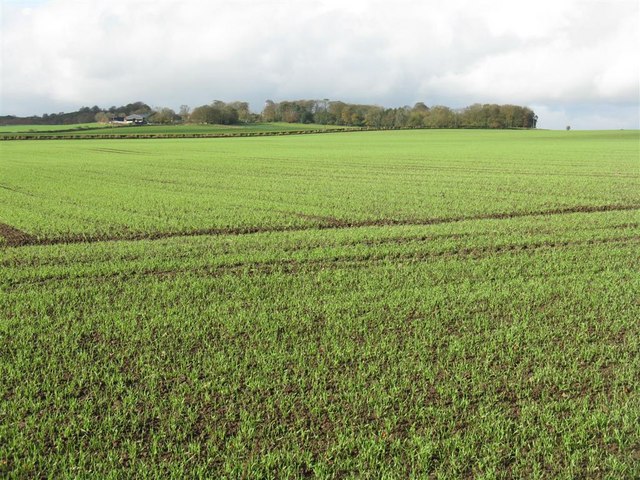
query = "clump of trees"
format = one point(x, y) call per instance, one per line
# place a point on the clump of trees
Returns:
point(323, 112)
point(164, 116)
point(216, 112)
point(327, 112)
point(498, 116)
point(221, 113)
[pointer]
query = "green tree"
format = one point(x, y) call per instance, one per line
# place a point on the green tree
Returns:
point(102, 117)
point(184, 113)
point(244, 114)
point(374, 117)
point(269, 111)
point(201, 114)
point(441, 117)
point(163, 115)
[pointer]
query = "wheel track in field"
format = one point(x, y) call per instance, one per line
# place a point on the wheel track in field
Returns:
point(16, 238)
point(292, 266)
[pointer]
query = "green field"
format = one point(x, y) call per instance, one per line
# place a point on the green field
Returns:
point(6, 129)
point(380, 304)
point(88, 130)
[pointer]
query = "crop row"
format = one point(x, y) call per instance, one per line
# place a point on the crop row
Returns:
point(205, 253)
point(129, 136)
point(390, 304)
point(120, 190)
point(520, 362)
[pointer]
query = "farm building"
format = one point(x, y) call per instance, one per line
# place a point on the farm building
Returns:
point(134, 119)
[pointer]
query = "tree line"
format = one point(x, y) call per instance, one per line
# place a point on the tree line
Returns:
point(324, 112)
point(327, 112)
point(84, 115)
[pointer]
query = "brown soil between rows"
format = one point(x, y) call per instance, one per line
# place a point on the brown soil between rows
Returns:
point(14, 237)
point(293, 267)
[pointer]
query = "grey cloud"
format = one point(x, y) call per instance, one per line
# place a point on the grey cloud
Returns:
point(562, 57)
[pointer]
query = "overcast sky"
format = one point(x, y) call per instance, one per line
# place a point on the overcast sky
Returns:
point(575, 62)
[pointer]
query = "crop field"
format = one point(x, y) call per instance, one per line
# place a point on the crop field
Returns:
point(401, 304)
point(99, 130)
point(4, 129)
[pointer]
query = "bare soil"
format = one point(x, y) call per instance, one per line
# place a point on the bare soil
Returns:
point(14, 237)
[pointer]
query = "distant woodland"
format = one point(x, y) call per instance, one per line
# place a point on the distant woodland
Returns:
point(324, 112)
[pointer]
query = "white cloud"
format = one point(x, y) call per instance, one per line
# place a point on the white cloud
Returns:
point(558, 55)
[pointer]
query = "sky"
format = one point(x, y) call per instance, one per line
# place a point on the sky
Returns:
point(574, 62)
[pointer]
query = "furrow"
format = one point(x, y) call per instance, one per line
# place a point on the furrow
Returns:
point(13, 239)
point(292, 266)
